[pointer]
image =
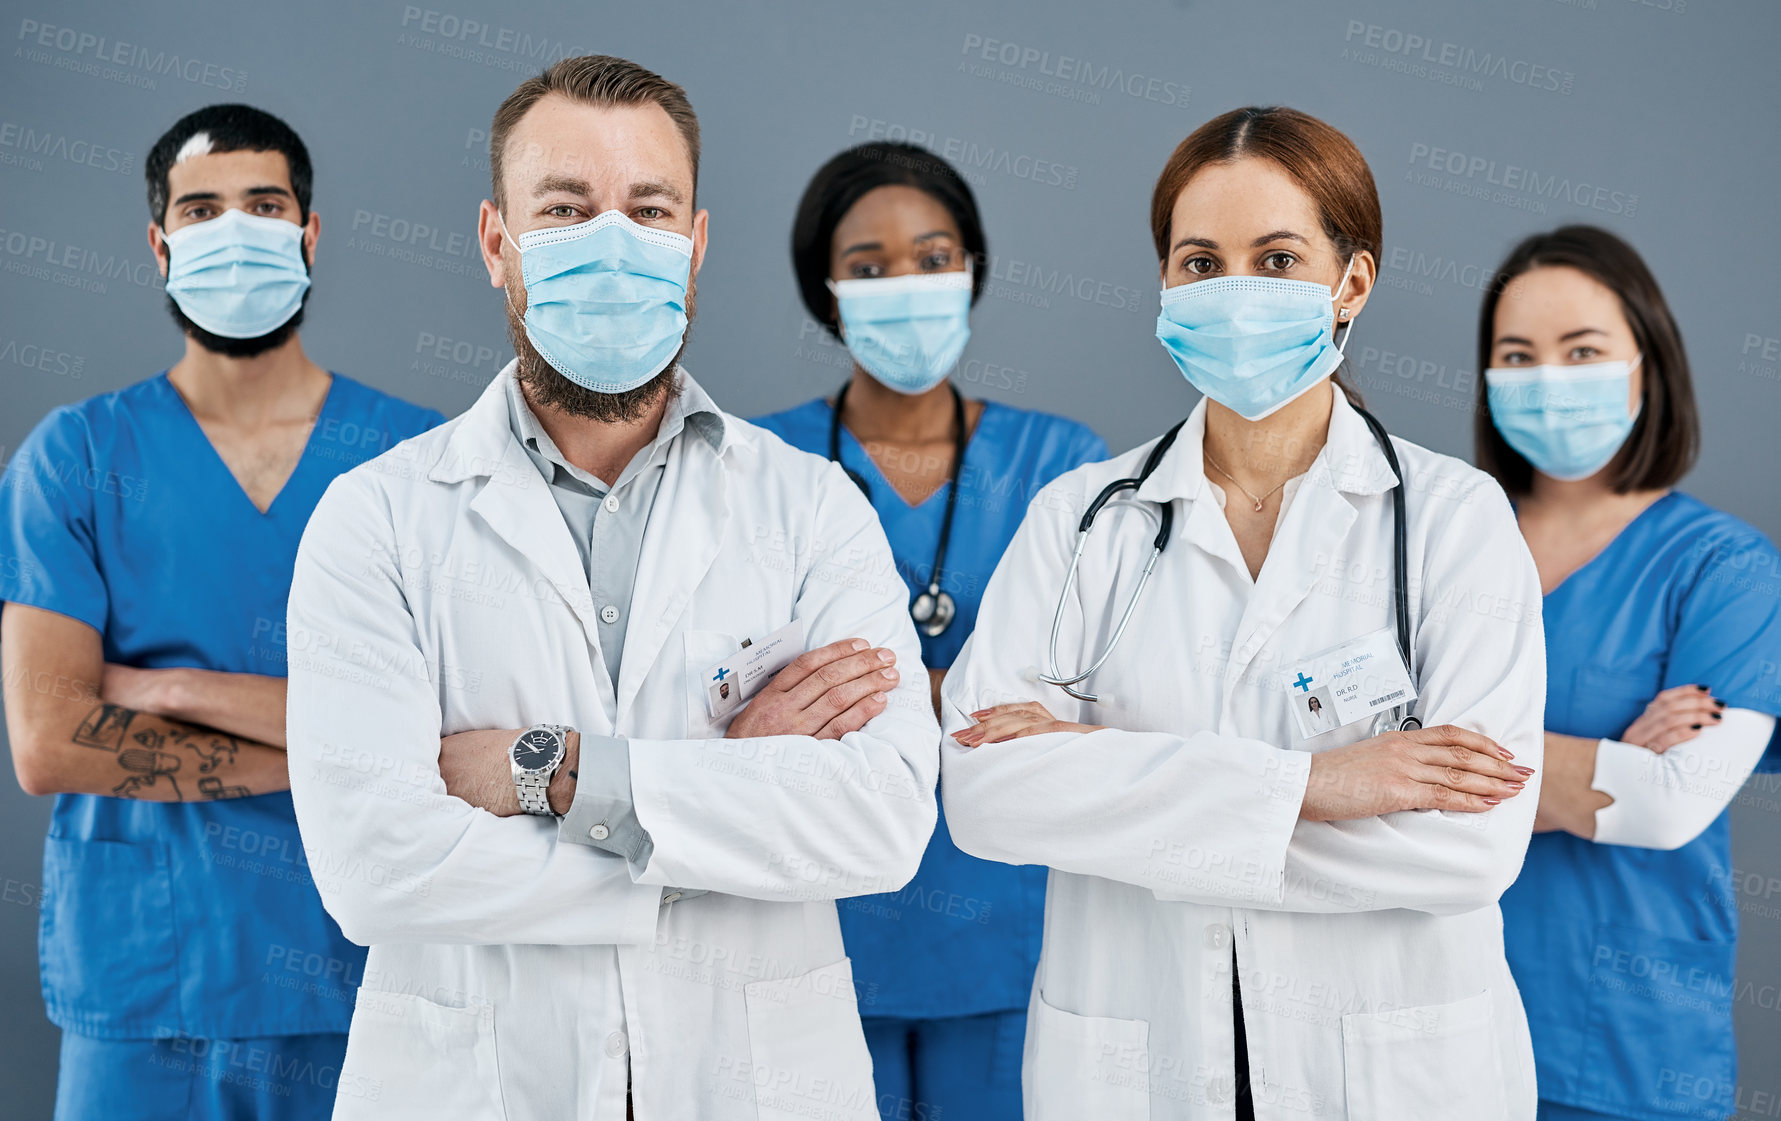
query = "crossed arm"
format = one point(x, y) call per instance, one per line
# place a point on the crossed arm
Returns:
point(824, 693)
point(1663, 781)
point(81, 726)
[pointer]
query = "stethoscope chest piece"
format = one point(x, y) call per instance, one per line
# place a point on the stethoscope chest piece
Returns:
point(933, 611)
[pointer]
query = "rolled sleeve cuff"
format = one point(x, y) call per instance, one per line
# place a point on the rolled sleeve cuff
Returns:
point(604, 815)
point(1618, 766)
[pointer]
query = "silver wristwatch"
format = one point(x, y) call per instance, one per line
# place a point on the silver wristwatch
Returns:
point(535, 756)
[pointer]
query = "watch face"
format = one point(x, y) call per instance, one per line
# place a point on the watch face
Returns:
point(535, 750)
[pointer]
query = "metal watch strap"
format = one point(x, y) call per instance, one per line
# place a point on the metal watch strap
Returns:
point(534, 789)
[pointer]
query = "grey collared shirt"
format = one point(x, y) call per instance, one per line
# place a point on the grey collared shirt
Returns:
point(607, 523)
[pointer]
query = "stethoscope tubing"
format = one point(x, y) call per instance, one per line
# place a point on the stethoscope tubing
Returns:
point(1164, 520)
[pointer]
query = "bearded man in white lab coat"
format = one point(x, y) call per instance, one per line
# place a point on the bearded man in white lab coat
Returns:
point(589, 888)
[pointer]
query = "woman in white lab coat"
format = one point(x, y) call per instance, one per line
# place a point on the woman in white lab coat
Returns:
point(1207, 845)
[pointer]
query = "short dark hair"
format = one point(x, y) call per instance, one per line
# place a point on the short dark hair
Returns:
point(229, 128)
point(595, 79)
point(843, 181)
point(1666, 437)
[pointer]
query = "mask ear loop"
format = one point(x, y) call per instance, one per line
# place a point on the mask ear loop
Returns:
point(1345, 326)
point(505, 294)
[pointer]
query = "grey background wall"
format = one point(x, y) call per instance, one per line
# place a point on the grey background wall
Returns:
point(1482, 121)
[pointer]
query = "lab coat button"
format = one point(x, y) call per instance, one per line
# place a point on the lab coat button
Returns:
point(599, 832)
point(609, 614)
point(617, 1044)
point(1218, 935)
point(611, 504)
point(671, 897)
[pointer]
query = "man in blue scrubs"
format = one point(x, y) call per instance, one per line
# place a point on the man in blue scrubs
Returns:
point(150, 535)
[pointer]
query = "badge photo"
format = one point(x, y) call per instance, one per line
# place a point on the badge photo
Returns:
point(1350, 681)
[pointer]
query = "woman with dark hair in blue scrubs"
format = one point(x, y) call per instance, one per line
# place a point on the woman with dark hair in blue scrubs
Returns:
point(889, 253)
point(1661, 616)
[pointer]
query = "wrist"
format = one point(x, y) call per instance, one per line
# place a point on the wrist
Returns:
point(1568, 785)
point(561, 791)
point(174, 693)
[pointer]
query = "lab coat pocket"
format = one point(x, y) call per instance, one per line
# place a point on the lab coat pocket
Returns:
point(1085, 1066)
point(408, 1057)
point(1435, 1060)
point(1660, 1023)
point(807, 1049)
point(704, 649)
point(107, 941)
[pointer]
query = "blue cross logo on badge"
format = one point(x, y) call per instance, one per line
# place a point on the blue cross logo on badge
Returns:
point(722, 672)
point(1304, 683)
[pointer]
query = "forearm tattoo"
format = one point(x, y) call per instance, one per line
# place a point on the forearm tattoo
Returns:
point(157, 751)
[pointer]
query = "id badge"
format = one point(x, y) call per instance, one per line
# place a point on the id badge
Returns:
point(732, 681)
point(1347, 682)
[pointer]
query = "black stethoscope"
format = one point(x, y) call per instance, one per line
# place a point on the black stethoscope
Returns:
point(1164, 520)
point(932, 610)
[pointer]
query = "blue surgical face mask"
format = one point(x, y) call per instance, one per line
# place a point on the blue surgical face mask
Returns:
point(1568, 421)
point(906, 331)
point(1251, 343)
point(237, 275)
point(605, 299)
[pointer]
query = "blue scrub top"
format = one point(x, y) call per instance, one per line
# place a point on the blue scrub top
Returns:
point(188, 918)
point(963, 937)
point(1624, 955)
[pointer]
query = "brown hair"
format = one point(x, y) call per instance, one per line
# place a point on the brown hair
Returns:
point(1666, 437)
point(1320, 158)
point(595, 79)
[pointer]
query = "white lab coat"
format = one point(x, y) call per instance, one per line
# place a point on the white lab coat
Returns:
point(1369, 952)
point(513, 974)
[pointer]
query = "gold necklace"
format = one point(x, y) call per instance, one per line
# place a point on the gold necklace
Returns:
point(1258, 501)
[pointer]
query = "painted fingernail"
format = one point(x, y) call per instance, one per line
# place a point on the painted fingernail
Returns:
point(1505, 753)
point(1717, 715)
point(859, 644)
point(1702, 688)
point(1718, 702)
point(1525, 770)
point(980, 714)
point(1493, 801)
point(887, 656)
point(1694, 727)
point(1515, 785)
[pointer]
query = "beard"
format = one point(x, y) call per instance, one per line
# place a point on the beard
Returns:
point(238, 348)
point(547, 387)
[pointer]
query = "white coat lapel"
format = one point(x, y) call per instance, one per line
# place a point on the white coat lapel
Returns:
point(524, 515)
point(1314, 527)
point(514, 500)
point(1322, 515)
point(685, 533)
